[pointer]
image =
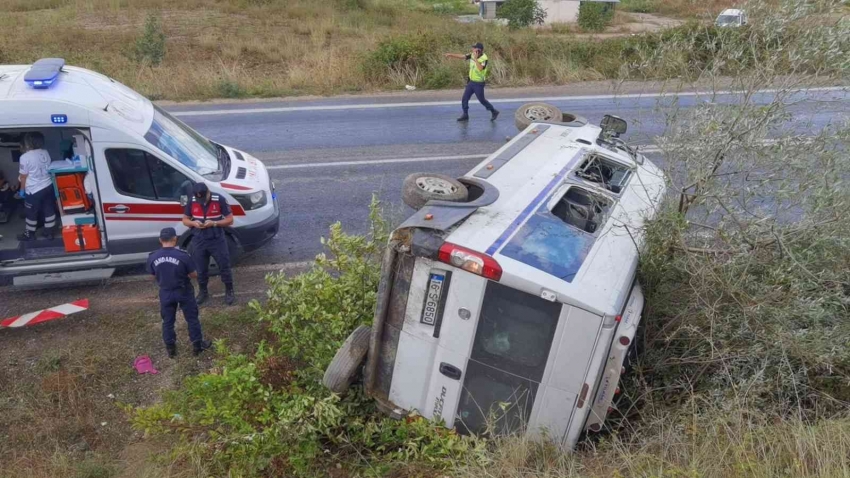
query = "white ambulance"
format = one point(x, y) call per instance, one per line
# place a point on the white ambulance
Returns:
point(509, 302)
point(122, 170)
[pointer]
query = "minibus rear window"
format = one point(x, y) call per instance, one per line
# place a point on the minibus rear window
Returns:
point(509, 355)
point(515, 331)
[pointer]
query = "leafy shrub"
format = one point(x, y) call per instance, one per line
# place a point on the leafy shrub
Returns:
point(522, 13)
point(150, 47)
point(595, 16)
point(230, 89)
point(255, 416)
point(441, 77)
point(313, 313)
point(639, 6)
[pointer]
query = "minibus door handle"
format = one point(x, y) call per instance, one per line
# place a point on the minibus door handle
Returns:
point(450, 371)
point(121, 209)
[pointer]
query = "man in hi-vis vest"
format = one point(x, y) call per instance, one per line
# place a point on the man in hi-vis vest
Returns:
point(479, 66)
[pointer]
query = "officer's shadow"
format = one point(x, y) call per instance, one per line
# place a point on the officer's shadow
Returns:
point(466, 131)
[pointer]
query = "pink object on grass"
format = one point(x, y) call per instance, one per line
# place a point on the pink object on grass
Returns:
point(144, 364)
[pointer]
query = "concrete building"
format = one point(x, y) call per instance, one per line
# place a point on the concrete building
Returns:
point(557, 11)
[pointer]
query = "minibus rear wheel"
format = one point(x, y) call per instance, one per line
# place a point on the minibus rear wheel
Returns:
point(348, 361)
point(419, 188)
point(536, 112)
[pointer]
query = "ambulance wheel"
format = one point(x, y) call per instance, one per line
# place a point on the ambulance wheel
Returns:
point(346, 364)
point(419, 188)
point(534, 113)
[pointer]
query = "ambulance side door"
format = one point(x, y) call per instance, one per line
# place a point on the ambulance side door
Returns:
point(141, 194)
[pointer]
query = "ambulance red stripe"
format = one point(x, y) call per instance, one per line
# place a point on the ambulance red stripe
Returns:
point(235, 187)
point(157, 209)
point(144, 218)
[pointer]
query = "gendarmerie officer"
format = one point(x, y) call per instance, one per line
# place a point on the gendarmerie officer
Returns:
point(208, 214)
point(174, 269)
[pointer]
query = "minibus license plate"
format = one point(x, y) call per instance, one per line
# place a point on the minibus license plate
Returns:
point(432, 298)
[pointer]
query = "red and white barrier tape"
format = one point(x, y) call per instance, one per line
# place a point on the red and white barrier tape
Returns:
point(46, 315)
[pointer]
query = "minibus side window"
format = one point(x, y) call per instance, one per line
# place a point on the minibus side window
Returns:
point(138, 174)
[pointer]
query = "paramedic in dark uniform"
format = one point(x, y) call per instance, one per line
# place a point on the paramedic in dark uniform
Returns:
point(208, 214)
point(174, 269)
point(36, 187)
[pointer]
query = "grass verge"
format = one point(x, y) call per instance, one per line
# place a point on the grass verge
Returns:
point(61, 402)
point(201, 49)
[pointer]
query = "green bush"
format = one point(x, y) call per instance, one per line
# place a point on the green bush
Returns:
point(595, 16)
point(231, 89)
point(313, 313)
point(639, 6)
point(150, 47)
point(441, 77)
point(267, 415)
point(411, 50)
point(522, 13)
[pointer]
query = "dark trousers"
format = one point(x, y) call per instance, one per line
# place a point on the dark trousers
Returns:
point(43, 202)
point(169, 301)
point(202, 250)
point(477, 89)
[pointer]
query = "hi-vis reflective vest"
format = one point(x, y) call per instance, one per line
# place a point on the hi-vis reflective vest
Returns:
point(476, 75)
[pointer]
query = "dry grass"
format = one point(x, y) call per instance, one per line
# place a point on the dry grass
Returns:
point(61, 401)
point(686, 9)
point(693, 447)
point(214, 48)
point(264, 48)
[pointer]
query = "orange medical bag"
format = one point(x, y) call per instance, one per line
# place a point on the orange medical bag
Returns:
point(72, 193)
point(81, 238)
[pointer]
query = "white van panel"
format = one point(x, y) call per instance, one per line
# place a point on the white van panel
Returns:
point(416, 346)
point(444, 392)
point(574, 350)
point(466, 291)
point(549, 418)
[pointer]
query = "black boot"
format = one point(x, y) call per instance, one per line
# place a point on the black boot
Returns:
point(494, 114)
point(200, 346)
point(26, 236)
point(203, 295)
point(47, 234)
point(464, 118)
point(229, 295)
point(172, 350)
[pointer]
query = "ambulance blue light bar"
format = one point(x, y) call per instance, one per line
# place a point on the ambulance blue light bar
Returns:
point(44, 73)
point(59, 119)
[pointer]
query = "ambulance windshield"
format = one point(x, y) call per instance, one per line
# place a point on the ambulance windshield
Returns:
point(185, 145)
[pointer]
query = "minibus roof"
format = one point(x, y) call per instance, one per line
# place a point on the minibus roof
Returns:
point(534, 248)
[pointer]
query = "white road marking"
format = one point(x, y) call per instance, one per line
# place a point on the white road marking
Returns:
point(378, 161)
point(643, 149)
point(293, 109)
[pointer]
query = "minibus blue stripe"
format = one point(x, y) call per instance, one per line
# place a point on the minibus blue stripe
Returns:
point(532, 206)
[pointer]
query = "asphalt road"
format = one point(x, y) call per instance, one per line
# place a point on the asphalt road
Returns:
point(329, 156)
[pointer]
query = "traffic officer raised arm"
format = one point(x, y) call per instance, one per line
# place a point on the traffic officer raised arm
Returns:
point(479, 66)
point(208, 214)
point(174, 269)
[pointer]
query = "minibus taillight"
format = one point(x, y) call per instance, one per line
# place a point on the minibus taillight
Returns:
point(470, 261)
